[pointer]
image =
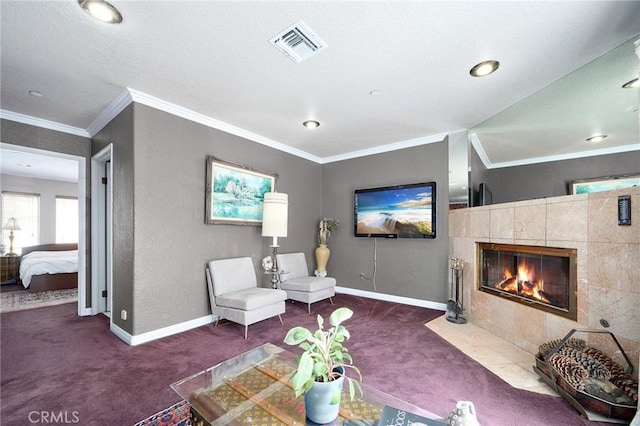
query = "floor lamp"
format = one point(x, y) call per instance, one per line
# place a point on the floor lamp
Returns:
point(11, 225)
point(274, 224)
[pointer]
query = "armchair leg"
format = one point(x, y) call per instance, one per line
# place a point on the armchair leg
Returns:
point(246, 329)
point(217, 320)
point(281, 323)
point(331, 300)
point(309, 308)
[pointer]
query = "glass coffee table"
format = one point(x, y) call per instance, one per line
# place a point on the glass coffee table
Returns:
point(253, 388)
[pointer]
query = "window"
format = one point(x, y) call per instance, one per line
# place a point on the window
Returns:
point(25, 208)
point(66, 219)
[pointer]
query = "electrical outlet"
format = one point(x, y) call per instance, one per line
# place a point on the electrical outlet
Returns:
point(123, 315)
point(361, 276)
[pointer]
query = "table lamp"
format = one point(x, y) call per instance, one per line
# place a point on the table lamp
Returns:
point(11, 225)
point(274, 224)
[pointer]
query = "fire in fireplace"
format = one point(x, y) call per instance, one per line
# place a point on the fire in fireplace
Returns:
point(542, 277)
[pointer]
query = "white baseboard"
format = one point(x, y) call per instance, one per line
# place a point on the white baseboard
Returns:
point(161, 332)
point(208, 319)
point(391, 298)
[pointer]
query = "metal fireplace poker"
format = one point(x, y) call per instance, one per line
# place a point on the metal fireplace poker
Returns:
point(455, 308)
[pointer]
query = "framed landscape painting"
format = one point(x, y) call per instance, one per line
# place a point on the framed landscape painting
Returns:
point(608, 183)
point(235, 193)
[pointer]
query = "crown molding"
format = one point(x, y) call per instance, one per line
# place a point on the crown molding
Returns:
point(196, 117)
point(112, 110)
point(45, 124)
point(572, 156)
point(385, 148)
point(475, 142)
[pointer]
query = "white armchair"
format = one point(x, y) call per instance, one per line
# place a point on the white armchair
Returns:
point(301, 287)
point(235, 295)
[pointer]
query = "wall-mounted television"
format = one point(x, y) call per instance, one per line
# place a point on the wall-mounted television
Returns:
point(400, 211)
point(485, 197)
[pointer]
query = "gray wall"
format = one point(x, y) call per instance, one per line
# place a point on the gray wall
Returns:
point(48, 190)
point(405, 267)
point(119, 132)
point(172, 241)
point(548, 179)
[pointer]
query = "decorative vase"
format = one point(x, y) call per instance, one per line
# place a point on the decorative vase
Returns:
point(317, 401)
point(463, 415)
point(322, 257)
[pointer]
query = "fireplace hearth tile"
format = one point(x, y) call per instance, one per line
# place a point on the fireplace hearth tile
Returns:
point(530, 222)
point(615, 266)
point(502, 223)
point(619, 308)
point(570, 221)
point(497, 355)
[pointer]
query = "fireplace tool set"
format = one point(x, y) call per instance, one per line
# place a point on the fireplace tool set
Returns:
point(455, 307)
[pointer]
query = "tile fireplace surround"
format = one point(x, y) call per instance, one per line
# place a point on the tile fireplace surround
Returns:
point(608, 267)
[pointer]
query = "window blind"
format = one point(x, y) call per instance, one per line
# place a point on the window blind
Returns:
point(26, 209)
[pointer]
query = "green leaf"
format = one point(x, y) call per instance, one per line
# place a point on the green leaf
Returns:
point(304, 372)
point(340, 315)
point(296, 336)
point(335, 399)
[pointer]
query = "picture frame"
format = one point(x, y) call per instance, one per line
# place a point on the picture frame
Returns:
point(605, 183)
point(234, 193)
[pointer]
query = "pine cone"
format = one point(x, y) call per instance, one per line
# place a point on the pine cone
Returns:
point(629, 387)
point(547, 347)
point(595, 368)
point(572, 372)
point(614, 368)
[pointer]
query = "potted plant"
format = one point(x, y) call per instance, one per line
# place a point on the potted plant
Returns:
point(322, 366)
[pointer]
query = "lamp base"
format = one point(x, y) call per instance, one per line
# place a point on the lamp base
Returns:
point(274, 269)
point(11, 254)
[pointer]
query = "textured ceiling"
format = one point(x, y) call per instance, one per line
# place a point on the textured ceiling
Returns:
point(213, 58)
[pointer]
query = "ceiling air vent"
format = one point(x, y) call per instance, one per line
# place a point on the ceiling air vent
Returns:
point(298, 42)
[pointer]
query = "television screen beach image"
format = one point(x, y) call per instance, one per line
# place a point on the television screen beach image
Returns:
point(405, 211)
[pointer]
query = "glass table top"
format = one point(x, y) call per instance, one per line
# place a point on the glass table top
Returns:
point(253, 388)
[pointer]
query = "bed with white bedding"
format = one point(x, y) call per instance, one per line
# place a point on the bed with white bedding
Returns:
point(49, 267)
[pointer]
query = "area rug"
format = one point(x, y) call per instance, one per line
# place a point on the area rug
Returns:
point(19, 300)
point(176, 415)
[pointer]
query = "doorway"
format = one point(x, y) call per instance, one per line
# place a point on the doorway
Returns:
point(82, 222)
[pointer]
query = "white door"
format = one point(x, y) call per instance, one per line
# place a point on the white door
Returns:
point(101, 231)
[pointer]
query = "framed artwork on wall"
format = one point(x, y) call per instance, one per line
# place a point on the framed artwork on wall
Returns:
point(235, 193)
point(607, 183)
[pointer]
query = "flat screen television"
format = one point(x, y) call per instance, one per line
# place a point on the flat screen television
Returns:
point(485, 197)
point(400, 211)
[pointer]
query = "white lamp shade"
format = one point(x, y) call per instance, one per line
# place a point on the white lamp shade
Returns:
point(11, 225)
point(274, 214)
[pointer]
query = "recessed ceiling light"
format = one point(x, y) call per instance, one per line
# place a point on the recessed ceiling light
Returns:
point(311, 124)
point(484, 68)
point(374, 92)
point(101, 10)
point(36, 93)
point(23, 165)
point(596, 138)
point(633, 84)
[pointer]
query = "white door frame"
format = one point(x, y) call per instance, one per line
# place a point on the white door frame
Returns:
point(82, 222)
point(101, 247)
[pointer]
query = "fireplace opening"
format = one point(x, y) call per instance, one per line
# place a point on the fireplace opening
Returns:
point(541, 277)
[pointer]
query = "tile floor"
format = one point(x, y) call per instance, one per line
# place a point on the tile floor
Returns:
point(509, 362)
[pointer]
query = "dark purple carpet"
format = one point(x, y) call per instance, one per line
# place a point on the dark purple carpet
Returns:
point(56, 362)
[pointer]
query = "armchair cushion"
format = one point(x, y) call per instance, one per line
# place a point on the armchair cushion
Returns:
point(250, 299)
point(294, 265)
point(308, 284)
point(231, 275)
